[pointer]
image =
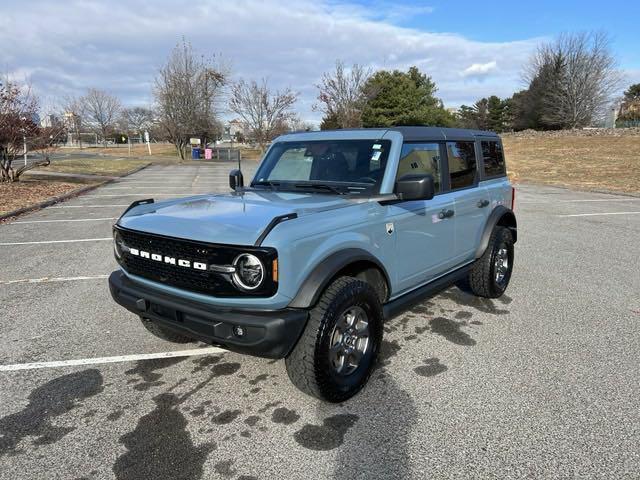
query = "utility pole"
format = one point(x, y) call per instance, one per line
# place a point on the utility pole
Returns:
point(24, 145)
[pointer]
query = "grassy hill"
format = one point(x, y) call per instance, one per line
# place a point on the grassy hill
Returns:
point(587, 159)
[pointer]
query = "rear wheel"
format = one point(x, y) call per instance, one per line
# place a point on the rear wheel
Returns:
point(490, 274)
point(336, 354)
point(164, 333)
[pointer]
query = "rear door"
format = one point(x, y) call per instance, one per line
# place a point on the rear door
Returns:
point(424, 241)
point(471, 200)
point(494, 177)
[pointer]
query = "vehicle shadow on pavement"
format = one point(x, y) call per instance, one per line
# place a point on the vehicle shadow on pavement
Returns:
point(378, 445)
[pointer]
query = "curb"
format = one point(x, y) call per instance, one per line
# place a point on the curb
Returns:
point(66, 196)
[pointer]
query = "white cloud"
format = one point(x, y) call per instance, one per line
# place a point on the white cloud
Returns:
point(119, 46)
point(479, 69)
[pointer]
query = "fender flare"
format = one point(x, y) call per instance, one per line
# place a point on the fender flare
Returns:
point(319, 278)
point(500, 215)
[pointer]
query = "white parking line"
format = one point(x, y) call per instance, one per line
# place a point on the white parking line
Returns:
point(52, 279)
point(155, 182)
point(92, 206)
point(118, 359)
point(144, 186)
point(142, 195)
point(57, 241)
point(65, 220)
point(596, 214)
point(602, 200)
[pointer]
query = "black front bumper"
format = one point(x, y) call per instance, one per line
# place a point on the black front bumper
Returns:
point(271, 334)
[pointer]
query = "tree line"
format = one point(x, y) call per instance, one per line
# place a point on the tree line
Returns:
point(569, 84)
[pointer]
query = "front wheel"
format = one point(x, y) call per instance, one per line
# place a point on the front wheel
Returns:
point(490, 274)
point(336, 354)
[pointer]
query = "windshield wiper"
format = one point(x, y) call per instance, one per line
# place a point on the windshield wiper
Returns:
point(267, 183)
point(320, 186)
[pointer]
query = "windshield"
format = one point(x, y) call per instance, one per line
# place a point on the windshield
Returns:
point(331, 166)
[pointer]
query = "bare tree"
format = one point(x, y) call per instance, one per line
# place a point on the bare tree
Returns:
point(264, 112)
point(580, 76)
point(187, 91)
point(296, 124)
point(20, 133)
point(72, 118)
point(136, 120)
point(343, 95)
point(100, 111)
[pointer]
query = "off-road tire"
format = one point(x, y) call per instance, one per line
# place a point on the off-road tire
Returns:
point(308, 365)
point(164, 333)
point(482, 277)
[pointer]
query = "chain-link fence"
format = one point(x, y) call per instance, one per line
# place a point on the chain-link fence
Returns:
point(225, 154)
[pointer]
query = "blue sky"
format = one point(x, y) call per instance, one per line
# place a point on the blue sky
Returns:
point(518, 20)
point(471, 49)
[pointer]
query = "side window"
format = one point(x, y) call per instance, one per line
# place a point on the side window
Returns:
point(493, 159)
point(462, 164)
point(421, 158)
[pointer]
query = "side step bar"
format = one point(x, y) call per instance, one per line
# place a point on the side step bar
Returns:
point(400, 304)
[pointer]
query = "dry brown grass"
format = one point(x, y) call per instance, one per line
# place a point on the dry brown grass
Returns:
point(94, 166)
point(593, 163)
point(29, 192)
point(163, 150)
point(138, 150)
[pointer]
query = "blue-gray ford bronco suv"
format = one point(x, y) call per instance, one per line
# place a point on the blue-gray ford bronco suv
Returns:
point(337, 231)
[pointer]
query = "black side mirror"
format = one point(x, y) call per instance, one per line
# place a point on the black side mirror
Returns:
point(236, 180)
point(415, 186)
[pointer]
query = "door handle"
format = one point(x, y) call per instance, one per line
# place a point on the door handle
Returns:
point(446, 214)
point(483, 203)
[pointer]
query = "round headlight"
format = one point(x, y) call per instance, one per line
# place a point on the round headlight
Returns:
point(117, 244)
point(249, 271)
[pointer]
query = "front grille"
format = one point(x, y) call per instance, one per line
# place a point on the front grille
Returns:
point(208, 282)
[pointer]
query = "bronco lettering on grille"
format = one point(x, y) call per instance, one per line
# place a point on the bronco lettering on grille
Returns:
point(169, 260)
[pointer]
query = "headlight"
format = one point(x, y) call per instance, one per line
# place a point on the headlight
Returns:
point(249, 271)
point(117, 244)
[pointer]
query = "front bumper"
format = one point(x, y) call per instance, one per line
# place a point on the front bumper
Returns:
point(271, 334)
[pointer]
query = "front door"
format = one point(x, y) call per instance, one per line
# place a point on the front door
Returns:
point(425, 235)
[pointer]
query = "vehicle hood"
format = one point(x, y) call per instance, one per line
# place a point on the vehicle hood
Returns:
point(237, 218)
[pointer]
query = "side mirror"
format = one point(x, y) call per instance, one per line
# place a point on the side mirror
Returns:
point(236, 180)
point(415, 187)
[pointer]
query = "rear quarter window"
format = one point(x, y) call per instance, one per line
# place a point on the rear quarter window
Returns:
point(462, 164)
point(493, 159)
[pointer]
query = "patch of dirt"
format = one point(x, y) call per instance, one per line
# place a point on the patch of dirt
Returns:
point(29, 192)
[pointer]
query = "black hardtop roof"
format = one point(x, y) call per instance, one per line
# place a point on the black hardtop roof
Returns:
point(417, 134)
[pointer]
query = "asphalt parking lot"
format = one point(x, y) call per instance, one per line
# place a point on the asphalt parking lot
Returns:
point(542, 383)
